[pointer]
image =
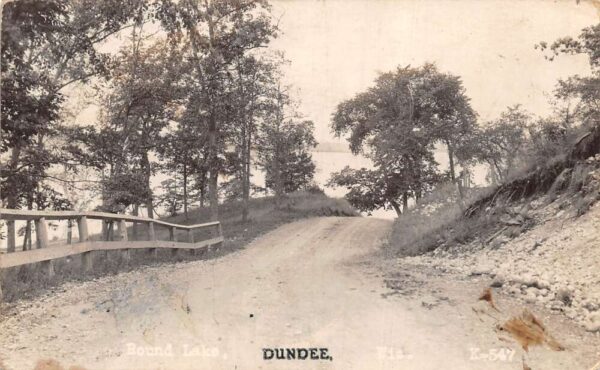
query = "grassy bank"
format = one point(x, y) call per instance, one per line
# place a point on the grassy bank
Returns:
point(496, 213)
point(436, 221)
point(28, 281)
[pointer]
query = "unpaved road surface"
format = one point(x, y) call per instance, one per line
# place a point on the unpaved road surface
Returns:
point(313, 283)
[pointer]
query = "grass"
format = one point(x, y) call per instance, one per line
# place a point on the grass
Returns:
point(436, 221)
point(31, 280)
point(264, 216)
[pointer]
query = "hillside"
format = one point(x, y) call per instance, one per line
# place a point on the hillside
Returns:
point(537, 237)
point(264, 216)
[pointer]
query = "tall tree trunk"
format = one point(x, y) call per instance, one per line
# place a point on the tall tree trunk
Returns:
point(396, 207)
point(456, 183)
point(213, 195)
point(277, 181)
point(246, 176)
point(147, 177)
point(208, 89)
point(135, 227)
point(13, 198)
point(213, 180)
point(405, 202)
point(27, 237)
point(202, 189)
point(185, 195)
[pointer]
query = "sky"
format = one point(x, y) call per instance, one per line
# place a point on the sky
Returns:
point(337, 48)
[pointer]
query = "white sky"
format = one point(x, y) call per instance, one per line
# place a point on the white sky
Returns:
point(336, 48)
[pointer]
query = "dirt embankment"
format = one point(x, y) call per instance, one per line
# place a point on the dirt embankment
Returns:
point(554, 263)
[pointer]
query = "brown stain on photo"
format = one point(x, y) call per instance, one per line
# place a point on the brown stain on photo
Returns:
point(52, 364)
point(487, 296)
point(594, 3)
point(528, 330)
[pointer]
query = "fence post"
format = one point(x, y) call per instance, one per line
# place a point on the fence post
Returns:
point(152, 238)
point(27, 238)
point(134, 231)
point(49, 267)
point(41, 231)
point(83, 229)
point(190, 236)
point(122, 235)
point(86, 257)
point(151, 232)
point(69, 231)
point(219, 231)
point(11, 240)
point(173, 235)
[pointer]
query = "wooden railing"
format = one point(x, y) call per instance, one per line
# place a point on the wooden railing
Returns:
point(110, 239)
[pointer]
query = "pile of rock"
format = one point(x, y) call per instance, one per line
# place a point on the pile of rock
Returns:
point(556, 295)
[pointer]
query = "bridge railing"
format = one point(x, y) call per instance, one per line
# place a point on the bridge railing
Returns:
point(114, 236)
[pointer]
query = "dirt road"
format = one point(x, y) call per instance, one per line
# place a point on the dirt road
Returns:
point(316, 283)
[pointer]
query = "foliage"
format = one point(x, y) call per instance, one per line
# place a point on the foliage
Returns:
point(284, 153)
point(171, 198)
point(46, 46)
point(397, 124)
point(502, 142)
point(231, 30)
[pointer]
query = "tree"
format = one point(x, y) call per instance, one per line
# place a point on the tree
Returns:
point(287, 160)
point(46, 47)
point(141, 98)
point(369, 190)
point(397, 124)
point(219, 33)
point(252, 81)
point(171, 198)
point(584, 89)
point(144, 96)
point(183, 152)
point(284, 145)
point(502, 143)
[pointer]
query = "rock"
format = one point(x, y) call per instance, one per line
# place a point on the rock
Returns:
point(594, 317)
point(543, 284)
point(590, 305)
point(498, 281)
point(570, 313)
point(527, 280)
point(514, 290)
point(531, 291)
point(565, 295)
point(530, 296)
point(542, 299)
point(592, 322)
point(499, 241)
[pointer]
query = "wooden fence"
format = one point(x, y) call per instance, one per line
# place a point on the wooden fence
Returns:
point(111, 238)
